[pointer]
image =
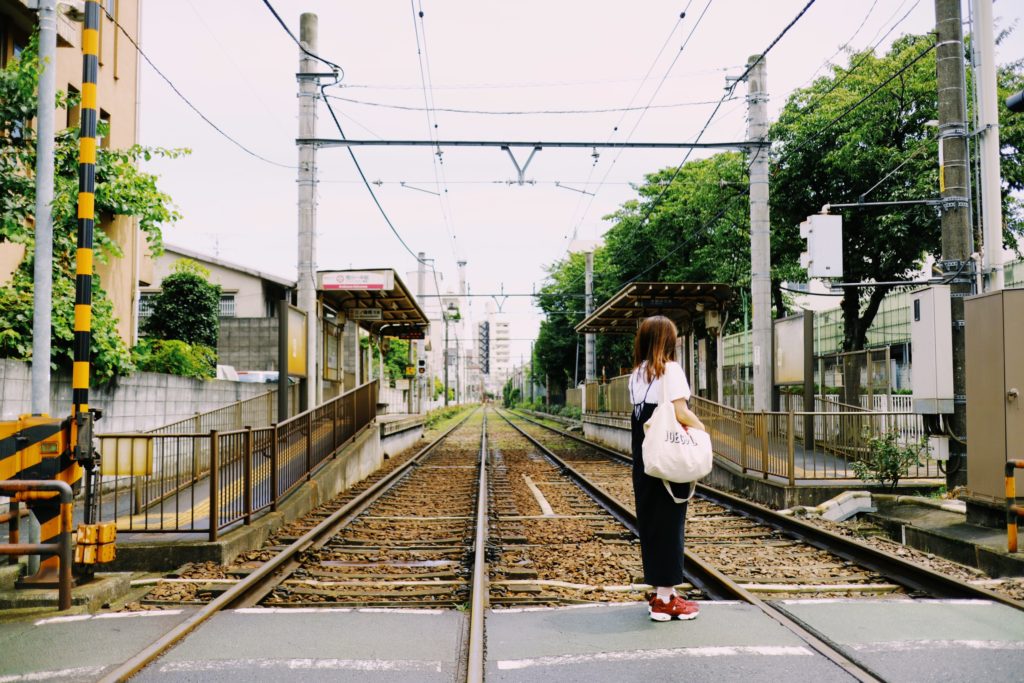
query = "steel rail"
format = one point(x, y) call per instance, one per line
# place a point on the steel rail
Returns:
point(610, 452)
point(729, 589)
point(712, 582)
point(903, 572)
point(480, 590)
point(268, 572)
point(900, 571)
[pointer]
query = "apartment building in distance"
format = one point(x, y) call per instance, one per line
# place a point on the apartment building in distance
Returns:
point(118, 87)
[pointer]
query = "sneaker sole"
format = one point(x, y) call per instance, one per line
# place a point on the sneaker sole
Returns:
point(661, 616)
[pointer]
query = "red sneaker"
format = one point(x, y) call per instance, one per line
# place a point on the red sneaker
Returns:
point(676, 608)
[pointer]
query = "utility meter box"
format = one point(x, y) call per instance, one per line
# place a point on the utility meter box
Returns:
point(995, 392)
point(931, 343)
point(824, 255)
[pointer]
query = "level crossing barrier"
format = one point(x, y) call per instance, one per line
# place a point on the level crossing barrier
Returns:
point(209, 481)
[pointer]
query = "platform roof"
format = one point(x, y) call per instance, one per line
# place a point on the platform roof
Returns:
point(681, 302)
point(359, 293)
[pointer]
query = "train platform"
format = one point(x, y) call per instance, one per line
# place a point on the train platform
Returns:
point(895, 640)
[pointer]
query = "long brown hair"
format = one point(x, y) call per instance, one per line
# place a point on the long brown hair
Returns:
point(655, 343)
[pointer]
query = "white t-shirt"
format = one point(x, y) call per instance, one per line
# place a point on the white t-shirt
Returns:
point(678, 387)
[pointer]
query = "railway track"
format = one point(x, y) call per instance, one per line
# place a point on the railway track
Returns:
point(501, 512)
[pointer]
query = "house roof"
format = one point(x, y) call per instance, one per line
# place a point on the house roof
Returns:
point(206, 258)
point(681, 302)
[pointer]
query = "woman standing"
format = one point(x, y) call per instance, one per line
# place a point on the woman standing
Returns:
point(660, 519)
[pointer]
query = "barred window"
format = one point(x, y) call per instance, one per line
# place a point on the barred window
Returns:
point(227, 305)
point(146, 300)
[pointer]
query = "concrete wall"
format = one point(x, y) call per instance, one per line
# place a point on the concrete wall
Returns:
point(611, 431)
point(248, 343)
point(142, 401)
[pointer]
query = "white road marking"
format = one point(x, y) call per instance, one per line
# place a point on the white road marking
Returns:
point(301, 665)
point(634, 655)
point(107, 615)
point(82, 671)
point(289, 610)
point(917, 645)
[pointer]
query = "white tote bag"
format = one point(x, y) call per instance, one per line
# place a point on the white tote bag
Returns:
point(671, 451)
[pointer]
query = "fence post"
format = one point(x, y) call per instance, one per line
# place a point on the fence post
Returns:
point(334, 425)
point(763, 433)
point(214, 482)
point(790, 446)
point(274, 483)
point(743, 440)
point(309, 443)
point(247, 475)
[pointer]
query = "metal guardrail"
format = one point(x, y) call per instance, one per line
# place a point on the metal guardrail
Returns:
point(62, 548)
point(205, 482)
point(258, 411)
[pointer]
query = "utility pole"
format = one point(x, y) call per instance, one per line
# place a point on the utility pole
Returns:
point(760, 236)
point(988, 143)
point(42, 275)
point(307, 205)
point(953, 185)
point(591, 342)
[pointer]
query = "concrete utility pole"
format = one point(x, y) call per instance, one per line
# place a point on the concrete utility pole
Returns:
point(988, 142)
point(591, 341)
point(956, 235)
point(42, 275)
point(760, 236)
point(421, 345)
point(307, 205)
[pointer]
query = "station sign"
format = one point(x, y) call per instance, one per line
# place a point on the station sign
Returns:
point(357, 280)
point(364, 314)
point(409, 334)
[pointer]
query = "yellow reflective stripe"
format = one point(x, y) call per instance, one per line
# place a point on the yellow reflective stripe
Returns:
point(83, 265)
point(90, 42)
point(86, 205)
point(87, 151)
point(80, 376)
point(88, 96)
point(83, 318)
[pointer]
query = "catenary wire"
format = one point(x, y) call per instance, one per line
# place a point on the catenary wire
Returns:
point(337, 68)
point(191, 106)
point(522, 112)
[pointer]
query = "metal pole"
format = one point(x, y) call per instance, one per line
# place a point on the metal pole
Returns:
point(42, 276)
point(307, 200)
point(808, 380)
point(988, 142)
point(445, 316)
point(956, 237)
point(760, 237)
point(591, 341)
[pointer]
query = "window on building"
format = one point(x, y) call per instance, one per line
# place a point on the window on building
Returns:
point(227, 305)
point(104, 139)
point(146, 305)
point(111, 8)
point(75, 112)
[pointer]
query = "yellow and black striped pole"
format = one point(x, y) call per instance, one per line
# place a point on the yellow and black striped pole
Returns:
point(80, 414)
point(86, 207)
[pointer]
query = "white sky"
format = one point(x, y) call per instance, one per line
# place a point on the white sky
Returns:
point(238, 66)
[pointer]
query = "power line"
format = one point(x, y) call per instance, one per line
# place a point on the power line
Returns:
point(191, 106)
point(521, 112)
point(337, 69)
point(362, 175)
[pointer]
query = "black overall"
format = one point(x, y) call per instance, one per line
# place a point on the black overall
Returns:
point(660, 520)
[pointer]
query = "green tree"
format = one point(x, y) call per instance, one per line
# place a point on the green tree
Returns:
point(396, 355)
point(121, 189)
point(828, 150)
point(188, 306)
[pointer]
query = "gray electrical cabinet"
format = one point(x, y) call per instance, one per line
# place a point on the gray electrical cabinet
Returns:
point(995, 382)
point(931, 343)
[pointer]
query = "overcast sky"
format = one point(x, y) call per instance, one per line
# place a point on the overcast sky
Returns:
point(237, 65)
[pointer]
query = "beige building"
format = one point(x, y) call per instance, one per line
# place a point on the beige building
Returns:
point(119, 107)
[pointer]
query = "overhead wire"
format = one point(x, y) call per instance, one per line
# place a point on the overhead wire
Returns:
point(189, 103)
point(643, 111)
point(521, 112)
point(337, 68)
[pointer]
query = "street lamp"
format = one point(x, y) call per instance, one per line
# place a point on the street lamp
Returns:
point(452, 313)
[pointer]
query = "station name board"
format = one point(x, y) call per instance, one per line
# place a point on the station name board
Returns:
point(358, 280)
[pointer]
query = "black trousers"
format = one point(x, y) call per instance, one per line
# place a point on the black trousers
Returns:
point(660, 520)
